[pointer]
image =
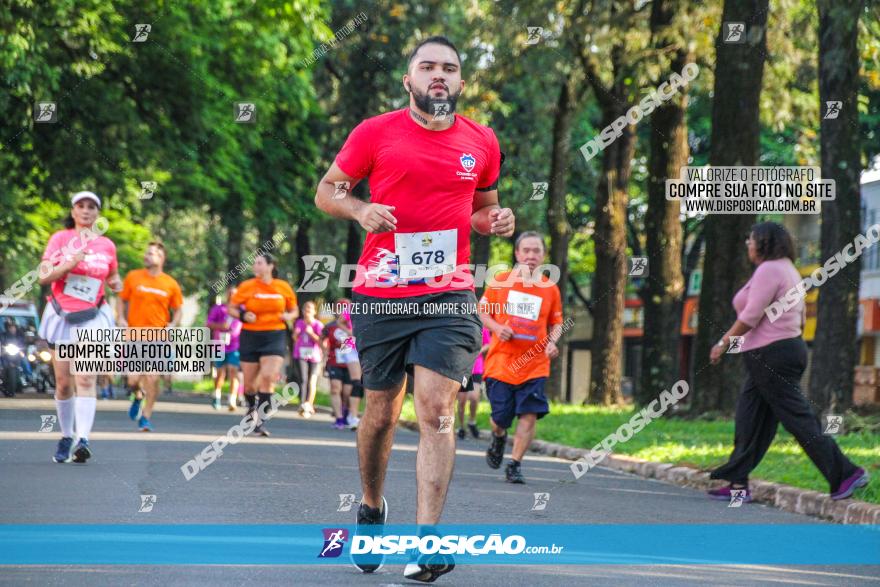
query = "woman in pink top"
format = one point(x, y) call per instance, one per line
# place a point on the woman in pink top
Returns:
point(307, 352)
point(78, 262)
point(471, 391)
point(775, 357)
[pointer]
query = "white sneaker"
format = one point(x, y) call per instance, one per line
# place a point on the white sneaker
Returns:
point(352, 422)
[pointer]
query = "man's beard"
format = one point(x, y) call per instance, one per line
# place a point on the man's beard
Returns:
point(434, 106)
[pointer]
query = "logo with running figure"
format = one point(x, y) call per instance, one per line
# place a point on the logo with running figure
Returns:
point(346, 500)
point(468, 161)
point(737, 498)
point(318, 269)
point(46, 112)
point(445, 424)
point(736, 344)
point(734, 32)
point(541, 501)
point(334, 541)
point(833, 425)
point(147, 503)
point(141, 33)
point(832, 109)
point(47, 422)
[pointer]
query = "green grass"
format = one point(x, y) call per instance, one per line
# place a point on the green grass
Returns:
point(697, 443)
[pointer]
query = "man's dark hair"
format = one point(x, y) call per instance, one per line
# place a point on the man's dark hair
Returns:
point(772, 241)
point(435, 40)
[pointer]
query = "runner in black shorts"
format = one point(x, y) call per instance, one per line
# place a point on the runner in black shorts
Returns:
point(337, 371)
point(433, 177)
point(264, 304)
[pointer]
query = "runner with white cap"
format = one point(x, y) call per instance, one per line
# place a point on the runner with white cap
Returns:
point(77, 263)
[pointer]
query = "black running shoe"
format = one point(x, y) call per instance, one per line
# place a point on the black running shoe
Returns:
point(259, 430)
point(82, 453)
point(370, 522)
point(513, 474)
point(461, 433)
point(429, 567)
point(495, 454)
point(475, 432)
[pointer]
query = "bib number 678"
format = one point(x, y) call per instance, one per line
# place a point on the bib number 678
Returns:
point(424, 258)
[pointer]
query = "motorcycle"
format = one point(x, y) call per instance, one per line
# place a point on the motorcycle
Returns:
point(12, 376)
point(42, 375)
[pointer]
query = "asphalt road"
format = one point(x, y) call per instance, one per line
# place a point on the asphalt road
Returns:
point(296, 476)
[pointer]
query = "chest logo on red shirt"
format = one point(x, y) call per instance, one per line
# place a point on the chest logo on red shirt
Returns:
point(468, 161)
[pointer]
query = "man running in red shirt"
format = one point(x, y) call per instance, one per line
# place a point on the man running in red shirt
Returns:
point(433, 177)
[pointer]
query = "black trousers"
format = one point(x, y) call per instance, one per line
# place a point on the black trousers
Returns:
point(771, 394)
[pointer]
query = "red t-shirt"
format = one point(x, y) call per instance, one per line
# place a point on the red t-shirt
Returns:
point(430, 177)
point(335, 339)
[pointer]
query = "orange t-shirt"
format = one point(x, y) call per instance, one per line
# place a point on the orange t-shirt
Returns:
point(150, 299)
point(530, 311)
point(267, 300)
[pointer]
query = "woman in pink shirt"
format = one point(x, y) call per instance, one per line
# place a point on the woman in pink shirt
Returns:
point(775, 357)
point(78, 262)
point(307, 352)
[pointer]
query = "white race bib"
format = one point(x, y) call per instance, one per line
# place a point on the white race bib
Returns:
point(82, 287)
point(523, 305)
point(307, 352)
point(341, 356)
point(426, 254)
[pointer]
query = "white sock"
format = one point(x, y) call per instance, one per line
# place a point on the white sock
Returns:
point(217, 394)
point(64, 409)
point(85, 415)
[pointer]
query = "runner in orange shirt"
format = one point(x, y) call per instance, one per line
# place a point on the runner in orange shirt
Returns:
point(150, 298)
point(265, 305)
point(523, 310)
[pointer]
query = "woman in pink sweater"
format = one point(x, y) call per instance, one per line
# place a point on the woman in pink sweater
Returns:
point(775, 358)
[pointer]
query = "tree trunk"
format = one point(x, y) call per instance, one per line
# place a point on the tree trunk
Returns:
point(609, 280)
point(664, 288)
point(233, 221)
point(303, 247)
point(835, 348)
point(739, 73)
point(557, 219)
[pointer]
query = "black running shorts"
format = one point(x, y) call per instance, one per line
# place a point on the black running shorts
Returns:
point(262, 343)
point(340, 373)
point(393, 334)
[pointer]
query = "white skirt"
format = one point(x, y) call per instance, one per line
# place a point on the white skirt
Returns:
point(55, 329)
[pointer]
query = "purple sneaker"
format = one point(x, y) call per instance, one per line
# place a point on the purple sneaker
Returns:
point(340, 424)
point(850, 484)
point(723, 494)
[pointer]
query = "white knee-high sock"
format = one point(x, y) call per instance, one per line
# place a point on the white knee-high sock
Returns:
point(85, 415)
point(64, 408)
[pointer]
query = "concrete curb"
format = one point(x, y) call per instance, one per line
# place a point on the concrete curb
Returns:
point(784, 497)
